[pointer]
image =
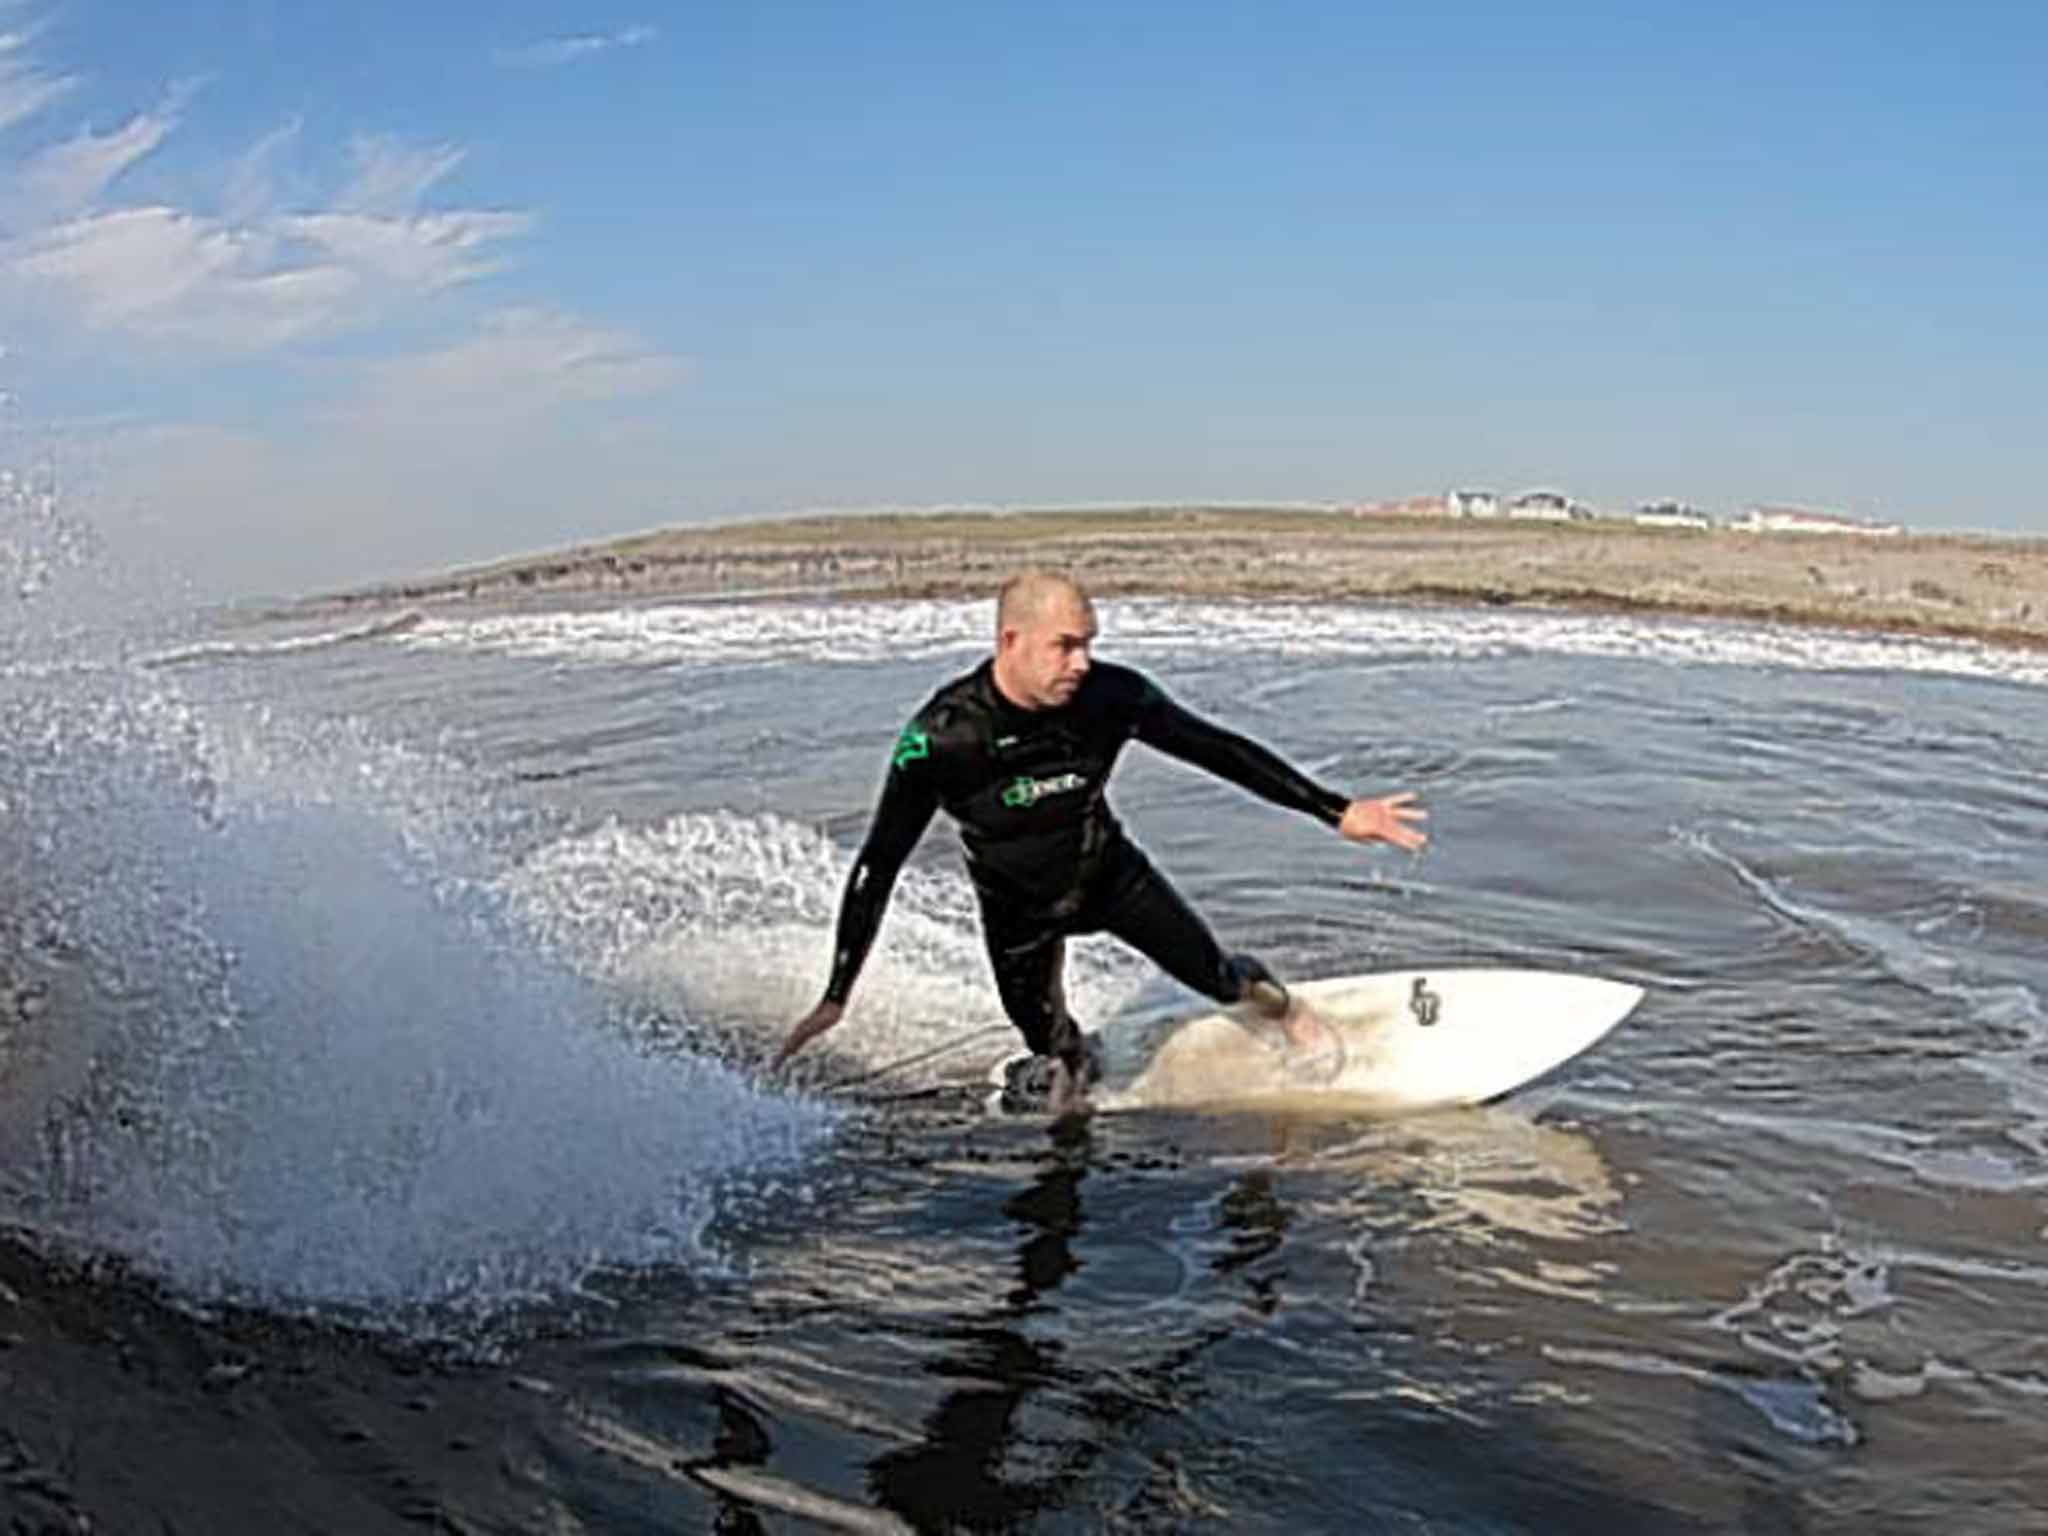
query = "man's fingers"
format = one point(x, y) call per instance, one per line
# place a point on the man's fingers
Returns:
point(1387, 819)
point(1401, 817)
point(809, 1027)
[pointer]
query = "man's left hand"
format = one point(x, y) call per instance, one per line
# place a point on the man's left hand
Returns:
point(1389, 819)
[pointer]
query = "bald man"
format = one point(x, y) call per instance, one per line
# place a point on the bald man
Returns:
point(1019, 753)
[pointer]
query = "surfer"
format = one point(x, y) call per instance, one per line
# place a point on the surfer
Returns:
point(1019, 752)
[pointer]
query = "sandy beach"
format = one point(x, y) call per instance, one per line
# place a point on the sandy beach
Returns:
point(1966, 586)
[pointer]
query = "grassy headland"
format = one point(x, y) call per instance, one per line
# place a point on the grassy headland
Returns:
point(1972, 586)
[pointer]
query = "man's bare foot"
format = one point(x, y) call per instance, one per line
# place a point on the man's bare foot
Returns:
point(1269, 999)
point(1315, 1051)
point(1310, 1045)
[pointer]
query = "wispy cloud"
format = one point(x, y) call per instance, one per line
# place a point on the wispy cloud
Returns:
point(423, 254)
point(25, 89)
point(253, 275)
point(67, 177)
point(61, 179)
point(167, 275)
point(392, 177)
point(550, 51)
point(421, 455)
point(252, 180)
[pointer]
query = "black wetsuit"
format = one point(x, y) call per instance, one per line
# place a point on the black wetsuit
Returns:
point(1046, 856)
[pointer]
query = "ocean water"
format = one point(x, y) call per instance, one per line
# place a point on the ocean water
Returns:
point(407, 984)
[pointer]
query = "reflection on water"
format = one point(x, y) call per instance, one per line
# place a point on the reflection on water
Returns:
point(1493, 1171)
point(963, 1471)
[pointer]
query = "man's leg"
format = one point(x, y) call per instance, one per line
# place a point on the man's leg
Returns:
point(1030, 964)
point(1147, 913)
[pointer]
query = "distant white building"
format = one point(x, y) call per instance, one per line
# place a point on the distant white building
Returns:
point(1471, 504)
point(1548, 507)
point(1671, 514)
point(1808, 520)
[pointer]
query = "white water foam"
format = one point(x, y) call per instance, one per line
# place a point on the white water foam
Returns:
point(682, 634)
point(723, 925)
point(293, 645)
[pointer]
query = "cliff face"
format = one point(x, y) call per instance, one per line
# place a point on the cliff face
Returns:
point(1993, 589)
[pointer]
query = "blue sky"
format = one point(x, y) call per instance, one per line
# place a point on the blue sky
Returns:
point(311, 295)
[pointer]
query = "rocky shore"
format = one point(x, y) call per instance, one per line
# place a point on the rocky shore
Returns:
point(1955, 585)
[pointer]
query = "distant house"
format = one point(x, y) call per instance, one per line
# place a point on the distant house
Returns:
point(1671, 514)
point(1807, 520)
point(1472, 504)
point(1548, 507)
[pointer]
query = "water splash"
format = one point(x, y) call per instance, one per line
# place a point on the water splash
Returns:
point(721, 924)
point(39, 539)
point(268, 1031)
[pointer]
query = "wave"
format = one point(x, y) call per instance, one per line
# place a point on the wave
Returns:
point(296, 645)
point(773, 634)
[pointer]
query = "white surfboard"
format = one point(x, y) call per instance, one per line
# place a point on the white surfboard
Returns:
point(1413, 1040)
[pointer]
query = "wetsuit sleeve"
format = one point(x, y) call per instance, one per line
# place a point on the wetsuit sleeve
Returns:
point(909, 796)
point(1161, 723)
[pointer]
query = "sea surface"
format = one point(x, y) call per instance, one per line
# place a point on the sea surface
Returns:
point(383, 1071)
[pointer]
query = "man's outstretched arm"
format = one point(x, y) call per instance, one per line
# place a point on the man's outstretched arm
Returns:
point(1180, 733)
point(908, 800)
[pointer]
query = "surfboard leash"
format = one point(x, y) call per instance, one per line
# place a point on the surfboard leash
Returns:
point(910, 1061)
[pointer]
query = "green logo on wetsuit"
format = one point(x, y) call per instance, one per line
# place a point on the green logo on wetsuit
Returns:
point(1021, 792)
point(912, 745)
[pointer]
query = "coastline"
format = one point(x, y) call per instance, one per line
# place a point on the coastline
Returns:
point(1951, 586)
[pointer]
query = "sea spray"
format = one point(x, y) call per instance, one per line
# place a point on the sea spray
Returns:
point(270, 1033)
point(721, 925)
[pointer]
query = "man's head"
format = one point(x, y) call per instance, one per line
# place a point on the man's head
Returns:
point(1044, 628)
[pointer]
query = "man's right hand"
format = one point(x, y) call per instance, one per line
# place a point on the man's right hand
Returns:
point(1389, 819)
point(813, 1024)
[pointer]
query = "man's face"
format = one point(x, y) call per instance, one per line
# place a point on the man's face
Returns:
point(1049, 651)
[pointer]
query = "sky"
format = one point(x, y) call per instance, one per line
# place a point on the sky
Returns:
point(296, 297)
